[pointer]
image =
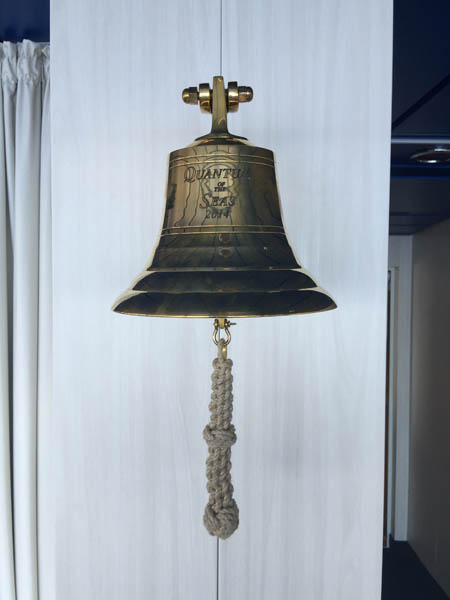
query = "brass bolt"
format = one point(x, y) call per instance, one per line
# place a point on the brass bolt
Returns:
point(203, 95)
point(245, 93)
point(190, 95)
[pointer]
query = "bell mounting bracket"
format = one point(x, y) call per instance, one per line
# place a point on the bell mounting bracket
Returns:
point(218, 101)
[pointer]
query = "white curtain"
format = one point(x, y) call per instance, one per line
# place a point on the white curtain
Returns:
point(25, 308)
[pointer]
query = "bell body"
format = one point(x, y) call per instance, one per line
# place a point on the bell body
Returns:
point(222, 250)
point(222, 211)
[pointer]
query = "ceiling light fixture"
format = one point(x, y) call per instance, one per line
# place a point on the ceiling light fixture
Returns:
point(432, 156)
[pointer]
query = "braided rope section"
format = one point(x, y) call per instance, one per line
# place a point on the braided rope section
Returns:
point(221, 516)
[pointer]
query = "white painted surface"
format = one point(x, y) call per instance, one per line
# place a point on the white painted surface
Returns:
point(131, 394)
point(429, 489)
point(400, 262)
point(390, 432)
point(310, 396)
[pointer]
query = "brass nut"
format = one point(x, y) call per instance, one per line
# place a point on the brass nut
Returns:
point(232, 96)
point(205, 97)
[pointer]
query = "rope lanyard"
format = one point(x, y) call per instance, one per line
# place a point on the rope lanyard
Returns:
point(221, 516)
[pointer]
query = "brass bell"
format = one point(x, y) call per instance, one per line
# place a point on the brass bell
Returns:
point(222, 250)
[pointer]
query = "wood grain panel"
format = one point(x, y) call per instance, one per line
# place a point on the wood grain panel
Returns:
point(131, 394)
point(309, 391)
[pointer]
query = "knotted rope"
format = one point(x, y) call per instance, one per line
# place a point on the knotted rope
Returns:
point(221, 516)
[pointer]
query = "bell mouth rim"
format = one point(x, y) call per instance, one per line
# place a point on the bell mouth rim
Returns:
point(231, 315)
point(232, 312)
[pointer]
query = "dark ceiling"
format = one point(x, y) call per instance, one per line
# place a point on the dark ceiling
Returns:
point(420, 194)
point(25, 19)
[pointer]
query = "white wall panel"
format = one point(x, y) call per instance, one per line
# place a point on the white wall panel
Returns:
point(131, 394)
point(400, 261)
point(308, 465)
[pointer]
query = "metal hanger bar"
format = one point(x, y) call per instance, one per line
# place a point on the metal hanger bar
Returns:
point(417, 139)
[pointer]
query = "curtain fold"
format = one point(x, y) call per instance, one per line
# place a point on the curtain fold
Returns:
point(25, 312)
